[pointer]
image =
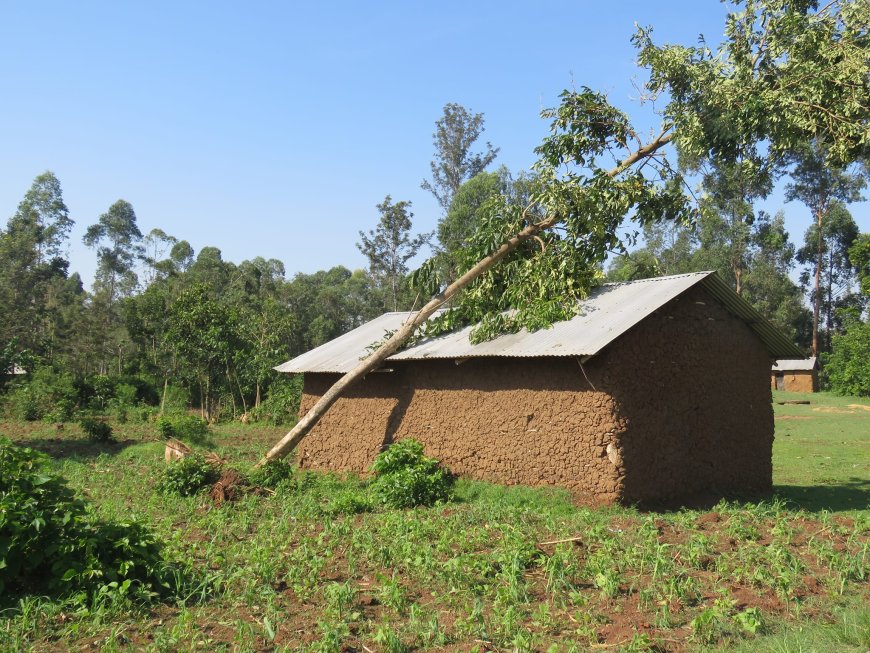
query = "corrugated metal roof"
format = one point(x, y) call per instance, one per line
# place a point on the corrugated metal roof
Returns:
point(610, 311)
point(783, 365)
point(345, 352)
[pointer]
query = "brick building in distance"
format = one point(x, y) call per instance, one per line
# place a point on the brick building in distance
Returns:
point(657, 391)
point(795, 375)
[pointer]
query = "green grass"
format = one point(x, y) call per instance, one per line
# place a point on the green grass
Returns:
point(821, 455)
point(298, 570)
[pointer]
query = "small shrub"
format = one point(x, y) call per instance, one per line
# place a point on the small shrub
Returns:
point(144, 414)
point(21, 404)
point(405, 477)
point(272, 474)
point(164, 427)
point(102, 388)
point(126, 394)
point(751, 620)
point(281, 404)
point(187, 476)
point(123, 402)
point(96, 430)
point(188, 428)
point(64, 410)
point(50, 541)
point(349, 503)
point(42, 395)
point(848, 365)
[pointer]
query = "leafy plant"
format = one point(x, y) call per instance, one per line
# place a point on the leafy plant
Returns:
point(123, 402)
point(709, 625)
point(349, 502)
point(51, 542)
point(62, 411)
point(405, 477)
point(281, 404)
point(272, 474)
point(47, 394)
point(389, 641)
point(189, 428)
point(96, 430)
point(187, 476)
point(848, 366)
point(751, 620)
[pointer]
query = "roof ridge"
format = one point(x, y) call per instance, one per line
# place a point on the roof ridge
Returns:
point(607, 313)
point(704, 273)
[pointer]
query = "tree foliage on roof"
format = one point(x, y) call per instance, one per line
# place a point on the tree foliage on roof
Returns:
point(787, 73)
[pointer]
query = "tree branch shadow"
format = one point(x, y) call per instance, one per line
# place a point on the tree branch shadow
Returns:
point(396, 416)
point(850, 494)
point(67, 448)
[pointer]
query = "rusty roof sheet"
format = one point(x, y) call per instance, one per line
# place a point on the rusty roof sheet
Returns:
point(610, 311)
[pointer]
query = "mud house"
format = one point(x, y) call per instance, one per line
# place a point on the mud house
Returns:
point(795, 375)
point(658, 389)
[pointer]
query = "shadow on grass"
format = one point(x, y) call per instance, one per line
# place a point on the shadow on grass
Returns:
point(851, 494)
point(69, 448)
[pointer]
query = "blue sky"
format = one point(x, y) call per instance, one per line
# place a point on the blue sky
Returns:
point(273, 129)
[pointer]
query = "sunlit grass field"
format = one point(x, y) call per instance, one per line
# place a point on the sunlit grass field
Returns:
point(299, 570)
point(821, 455)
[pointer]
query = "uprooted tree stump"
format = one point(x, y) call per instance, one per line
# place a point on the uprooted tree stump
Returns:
point(228, 487)
point(175, 450)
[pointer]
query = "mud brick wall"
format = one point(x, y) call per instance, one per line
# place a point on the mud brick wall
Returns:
point(679, 405)
point(698, 404)
point(798, 381)
point(511, 421)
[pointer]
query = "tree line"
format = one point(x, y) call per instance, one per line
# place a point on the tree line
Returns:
point(158, 311)
point(165, 318)
point(593, 207)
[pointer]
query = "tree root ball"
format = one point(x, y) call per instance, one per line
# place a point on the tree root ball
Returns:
point(229, 487)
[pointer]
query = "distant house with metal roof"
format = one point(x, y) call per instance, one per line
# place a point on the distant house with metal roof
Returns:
point(657, 390)
point(795, 375)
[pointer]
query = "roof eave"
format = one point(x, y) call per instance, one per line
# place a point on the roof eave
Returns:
point(778, 345)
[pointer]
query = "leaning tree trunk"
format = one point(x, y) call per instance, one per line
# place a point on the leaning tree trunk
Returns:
point(817, 294)
point(165, 390)
point(829, 309)
point(400, 337)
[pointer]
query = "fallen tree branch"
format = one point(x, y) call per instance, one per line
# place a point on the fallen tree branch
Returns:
point(579, 538)
point(400, 337)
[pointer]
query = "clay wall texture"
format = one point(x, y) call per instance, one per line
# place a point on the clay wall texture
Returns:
point(680, 405)
point(798, 381)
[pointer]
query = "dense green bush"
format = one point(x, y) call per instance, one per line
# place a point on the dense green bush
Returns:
point(102, 392)
point(102, 388)
point(405, 477)
point(96, 430)
point(282, 402)
point(848, 366)
point(187, 476)
point(124, 401)
point(173, 399)
point(22, 404)
point(50, 542)
point(349, 502)
point(46, 394)
point(189, 428)
point(64, 410)
point(272, 474)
